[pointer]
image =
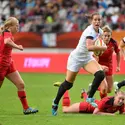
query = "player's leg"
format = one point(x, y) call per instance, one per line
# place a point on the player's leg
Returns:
point(66, 99)
point(109, 80)
point(94, 68)
point(16, 79)
point(3, 71)
point(1, 79)
point(103, 89)
point(84, 94)
point(74, 108)
point(118, 85)
point(66, 85)
point(73, 67)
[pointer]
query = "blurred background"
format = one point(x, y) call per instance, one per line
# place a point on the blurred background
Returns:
point(55, 26)
point(62, 15)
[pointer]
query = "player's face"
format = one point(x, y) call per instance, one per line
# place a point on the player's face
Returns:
point(119, 100)
point(15, 27)
point(96, 22)
point(106, 37)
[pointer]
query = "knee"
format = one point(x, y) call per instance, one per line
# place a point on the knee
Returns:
point(100, 75)
point(21, 86)
point(67, 85)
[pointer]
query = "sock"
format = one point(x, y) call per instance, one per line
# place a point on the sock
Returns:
point(85, 96)
point(120, 84)
point(62, 89)
point(98, 89)
point(102, 95)
point(22, 96)
point(99, 76)
point(66, 99)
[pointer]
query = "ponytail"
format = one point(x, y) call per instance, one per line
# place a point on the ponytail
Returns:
point(1, 29)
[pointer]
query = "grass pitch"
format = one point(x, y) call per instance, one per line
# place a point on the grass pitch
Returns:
point(40, 92)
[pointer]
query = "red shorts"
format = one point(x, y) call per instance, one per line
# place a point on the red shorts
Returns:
point(110, 71)
point(5, 70)
point(85, 107)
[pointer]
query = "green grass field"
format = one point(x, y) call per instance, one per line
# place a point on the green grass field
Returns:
point(40, 92)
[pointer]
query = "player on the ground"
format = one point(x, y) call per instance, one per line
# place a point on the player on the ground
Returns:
point(82, 57)
point(106, 106)
point(7, 66)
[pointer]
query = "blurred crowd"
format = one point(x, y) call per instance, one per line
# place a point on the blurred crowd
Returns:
point(62, 15)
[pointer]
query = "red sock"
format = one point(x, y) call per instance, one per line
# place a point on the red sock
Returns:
point(85, 96)
point(98, 89)
point(66, 99)
point(103, 95)
point(22, 96)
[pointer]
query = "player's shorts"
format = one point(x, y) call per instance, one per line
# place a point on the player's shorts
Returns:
point(110, 71)
point(5, 70)
point(74, 64)
point(85, 107)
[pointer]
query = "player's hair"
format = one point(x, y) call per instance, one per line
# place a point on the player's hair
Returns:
point(120, 92)
point(1, 29)
point(106, 28)
point(90, 16)
point(9, 22)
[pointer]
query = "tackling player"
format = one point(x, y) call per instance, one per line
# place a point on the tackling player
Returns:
point(106, 60)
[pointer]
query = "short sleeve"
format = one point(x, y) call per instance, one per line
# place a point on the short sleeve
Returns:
point(101, 104)
point(89, 34)
point(7, 35)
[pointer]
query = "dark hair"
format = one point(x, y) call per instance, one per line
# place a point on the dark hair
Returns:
point(90, 16)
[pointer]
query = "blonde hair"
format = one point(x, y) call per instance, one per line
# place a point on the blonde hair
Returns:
point(9, 22)
point(106, 28)
point(120, 92)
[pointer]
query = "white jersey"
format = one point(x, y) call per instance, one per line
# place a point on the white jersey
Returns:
point(81, 52)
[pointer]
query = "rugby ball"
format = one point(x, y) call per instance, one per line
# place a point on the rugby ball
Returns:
point(99, 42)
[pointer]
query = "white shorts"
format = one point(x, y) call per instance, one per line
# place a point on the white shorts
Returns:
point(74, 64)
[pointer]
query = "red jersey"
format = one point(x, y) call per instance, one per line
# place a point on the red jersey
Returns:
point(5, 51)
point(106, 105)
point(106, 57)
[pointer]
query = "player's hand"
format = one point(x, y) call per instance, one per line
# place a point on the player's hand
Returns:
point(20, 47)
point(117, 69)
point(105, 68)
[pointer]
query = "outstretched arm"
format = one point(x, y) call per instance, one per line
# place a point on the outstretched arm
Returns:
point(10, 43)
point(118, 62)
point(122, 47)
point(98, 112)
